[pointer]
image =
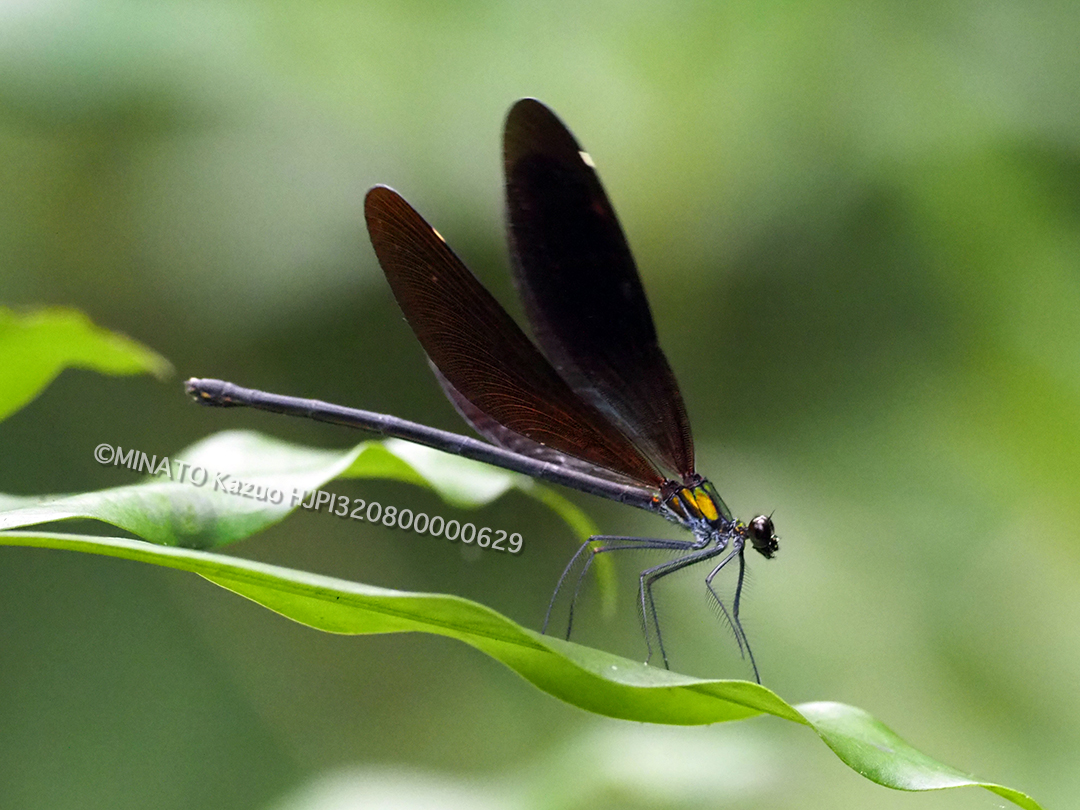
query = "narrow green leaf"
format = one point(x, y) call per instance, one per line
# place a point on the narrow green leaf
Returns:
point(876, 752)
point(231, 485)
point(188, 502)
point(584, 677)
point(36, 346)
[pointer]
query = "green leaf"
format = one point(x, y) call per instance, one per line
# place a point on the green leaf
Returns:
point(36, 346)
point(584, 677)
point(178, 514)
point(231, 485)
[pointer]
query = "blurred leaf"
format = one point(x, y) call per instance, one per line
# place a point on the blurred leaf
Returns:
point(584, 677)
point(70, 63)
point(233, 484)
point(36, 346)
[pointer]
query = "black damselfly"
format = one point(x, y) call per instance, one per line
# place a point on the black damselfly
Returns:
point(595, 408)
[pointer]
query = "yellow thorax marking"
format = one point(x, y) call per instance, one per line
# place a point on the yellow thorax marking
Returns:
point(705, 504)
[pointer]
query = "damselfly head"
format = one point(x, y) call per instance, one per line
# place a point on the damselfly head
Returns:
point(762, 535)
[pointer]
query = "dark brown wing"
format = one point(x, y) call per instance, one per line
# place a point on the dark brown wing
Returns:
point(504, 437)
point(582, 292)
point(479, 348)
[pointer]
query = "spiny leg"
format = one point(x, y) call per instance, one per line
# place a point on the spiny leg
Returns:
point(649, 577)
point(733, 617)
point(616, 543)
point(624, 544)
point(735, 613)
point(739, 637)
point(559, 584)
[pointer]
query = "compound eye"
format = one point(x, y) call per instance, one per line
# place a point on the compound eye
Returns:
point(762, 535)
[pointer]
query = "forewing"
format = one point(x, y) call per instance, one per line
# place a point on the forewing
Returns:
point(479, 348)
point(581, 289)
point(504, 437)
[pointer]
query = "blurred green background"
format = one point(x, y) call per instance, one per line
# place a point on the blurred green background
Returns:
point(859, 227)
